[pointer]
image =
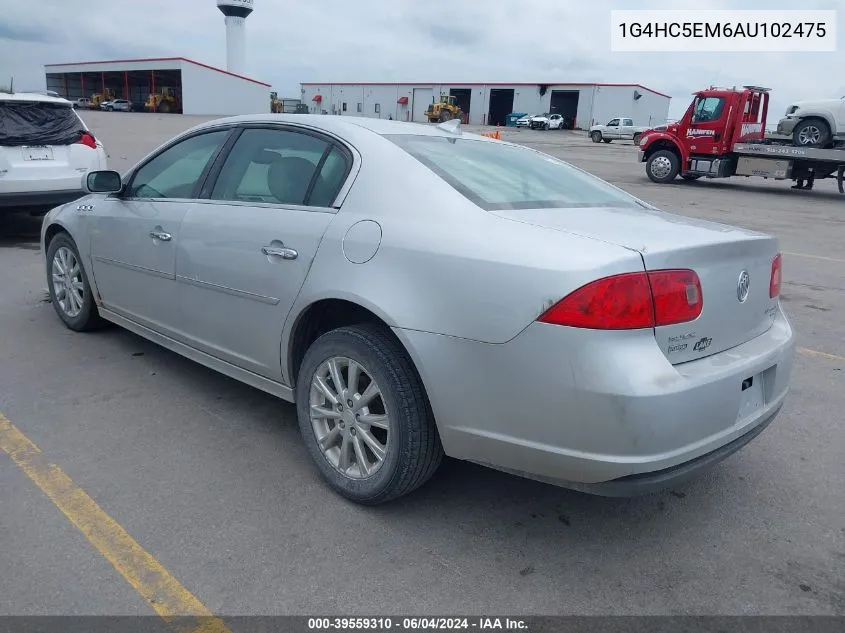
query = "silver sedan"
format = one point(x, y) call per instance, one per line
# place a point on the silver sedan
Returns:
point(420, 291)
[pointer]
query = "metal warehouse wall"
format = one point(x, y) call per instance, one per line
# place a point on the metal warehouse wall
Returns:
point(618, 101)
point(208, 92)
point(385, 99)
point(596, 104)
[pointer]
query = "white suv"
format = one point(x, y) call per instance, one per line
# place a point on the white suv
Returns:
point(45, 151)
point(814, 123)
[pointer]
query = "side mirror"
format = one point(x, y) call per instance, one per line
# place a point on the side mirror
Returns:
point(103, 182)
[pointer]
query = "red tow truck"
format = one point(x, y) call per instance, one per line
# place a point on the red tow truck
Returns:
point(723, 134)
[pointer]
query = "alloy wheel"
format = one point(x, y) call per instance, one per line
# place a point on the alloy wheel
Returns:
point(349, 417)
point(68, 286)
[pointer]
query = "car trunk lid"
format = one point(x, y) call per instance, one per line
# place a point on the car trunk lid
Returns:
point(719, 254)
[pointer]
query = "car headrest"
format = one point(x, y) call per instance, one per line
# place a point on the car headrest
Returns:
point(288, 179)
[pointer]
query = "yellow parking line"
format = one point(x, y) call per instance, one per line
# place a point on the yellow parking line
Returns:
point(811, 352)
point(140, 569)
point(826, 259)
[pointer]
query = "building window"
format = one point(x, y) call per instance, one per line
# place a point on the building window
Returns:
point(344, 106)
point(360, 107)
point(378, 108)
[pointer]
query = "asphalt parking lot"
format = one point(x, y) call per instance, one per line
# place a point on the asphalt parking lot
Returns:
point(210, 477)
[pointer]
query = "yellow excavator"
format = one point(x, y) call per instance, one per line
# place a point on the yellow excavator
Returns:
point(100, 97)
point(444, 110)
point(166, 101)
point(276, 105)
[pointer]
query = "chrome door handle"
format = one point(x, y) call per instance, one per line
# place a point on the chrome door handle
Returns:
point(283, 252)
point(161, 235)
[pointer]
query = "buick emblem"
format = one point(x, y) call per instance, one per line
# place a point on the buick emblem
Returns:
point(742, 286)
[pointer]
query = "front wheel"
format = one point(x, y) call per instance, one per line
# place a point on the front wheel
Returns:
point(637, 138)
point(811, 133)
point(596, 136)
point(68, 285)
point(662, 166)
point(607, 140)
point(364, 415)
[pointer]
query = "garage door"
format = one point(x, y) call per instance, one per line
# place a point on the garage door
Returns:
point(422, 99)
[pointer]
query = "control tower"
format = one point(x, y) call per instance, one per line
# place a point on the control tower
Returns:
point(236, 12)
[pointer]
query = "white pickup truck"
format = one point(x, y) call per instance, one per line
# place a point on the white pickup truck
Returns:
point(619, 128)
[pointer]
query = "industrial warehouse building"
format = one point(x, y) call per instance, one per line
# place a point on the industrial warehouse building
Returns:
point(198, 88)
point(489, 104)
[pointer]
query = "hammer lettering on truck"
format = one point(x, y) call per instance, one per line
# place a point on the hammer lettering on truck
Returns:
point(750, 128)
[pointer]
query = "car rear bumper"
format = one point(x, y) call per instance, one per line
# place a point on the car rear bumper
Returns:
point(38, 199)
point(600, 412)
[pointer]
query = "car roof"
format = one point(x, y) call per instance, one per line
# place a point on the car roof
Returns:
point(32, 97)
point(340, 125)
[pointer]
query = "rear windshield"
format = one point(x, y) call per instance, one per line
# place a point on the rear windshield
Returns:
point(38, 123)
point(497, 176)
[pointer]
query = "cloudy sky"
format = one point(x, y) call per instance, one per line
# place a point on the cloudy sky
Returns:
point(289, 41)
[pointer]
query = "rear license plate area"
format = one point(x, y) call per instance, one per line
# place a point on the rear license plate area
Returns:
point(39, 152)
point(752, 394)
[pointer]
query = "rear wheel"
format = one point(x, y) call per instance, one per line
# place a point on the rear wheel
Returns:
point(662, 166)
point(811, 133)
point(364, 415)
point(607, 140)
point(596, 136)
point(68, 285)
point(690, 176)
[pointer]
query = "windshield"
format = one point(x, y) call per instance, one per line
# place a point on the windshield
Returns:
point(38, 123)
point(498, 176)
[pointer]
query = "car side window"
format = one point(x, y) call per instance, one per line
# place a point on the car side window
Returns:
point(174, 173)
point(332, 176)
point(277, 167)
point(627, 122)
point(613, 123)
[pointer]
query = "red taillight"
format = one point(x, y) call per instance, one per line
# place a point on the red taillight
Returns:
point(631, 301)
point(777, 275)
point(677, 296)
point(88, 139)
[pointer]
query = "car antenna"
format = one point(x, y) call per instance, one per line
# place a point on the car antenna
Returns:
point(453, 126)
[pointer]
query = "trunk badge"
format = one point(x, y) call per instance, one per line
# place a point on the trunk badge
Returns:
point(742, 286)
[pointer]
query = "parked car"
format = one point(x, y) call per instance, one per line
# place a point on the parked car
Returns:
point(418, 291)
point(118, 105)
point(83, 102)
point(814, 123)
point(524, 121)
point(45, 150)
point(547, 122)
point(619, 128)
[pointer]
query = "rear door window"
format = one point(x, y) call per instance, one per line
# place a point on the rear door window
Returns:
point(38, 123)
point(281, 167)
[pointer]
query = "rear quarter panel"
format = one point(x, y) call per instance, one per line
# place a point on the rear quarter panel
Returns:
point(444, 265)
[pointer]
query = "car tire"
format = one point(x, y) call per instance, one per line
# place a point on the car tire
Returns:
point(410, 443)
point(607, 140)
point(690, 176)
point(637, 138)
point(73, 301)
point(813, 132)
point(596, 136)
point(662, 166)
